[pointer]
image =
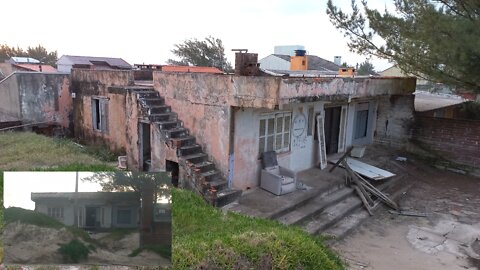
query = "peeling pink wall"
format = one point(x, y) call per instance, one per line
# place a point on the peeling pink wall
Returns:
point(89, 83)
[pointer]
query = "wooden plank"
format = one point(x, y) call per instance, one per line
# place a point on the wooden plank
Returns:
point(341, 159)
point(364, 200)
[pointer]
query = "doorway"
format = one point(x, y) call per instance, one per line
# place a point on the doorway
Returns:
point(145, 147)
point(332, 129)
point(172, 167)
point(92, 217)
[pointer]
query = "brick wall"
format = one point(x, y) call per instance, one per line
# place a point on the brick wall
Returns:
point(457, 140)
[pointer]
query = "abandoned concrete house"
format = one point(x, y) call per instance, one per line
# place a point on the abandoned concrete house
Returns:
point(94, 210)
point(210, 130)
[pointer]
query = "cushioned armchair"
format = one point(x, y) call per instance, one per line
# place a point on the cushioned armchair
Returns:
point(278, 180)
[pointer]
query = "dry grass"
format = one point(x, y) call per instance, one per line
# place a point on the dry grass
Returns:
point(28, 151)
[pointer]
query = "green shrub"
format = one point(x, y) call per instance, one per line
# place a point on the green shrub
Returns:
point(74, 251)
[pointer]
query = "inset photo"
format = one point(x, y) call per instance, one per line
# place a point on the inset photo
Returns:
point(87, 218)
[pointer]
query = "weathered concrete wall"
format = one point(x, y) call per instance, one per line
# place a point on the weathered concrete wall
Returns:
point(9, 100)
point(311, 89)
point(395, 118)
point(457, 140)
point(45, 97)
point(94, 83)
point(201, 102)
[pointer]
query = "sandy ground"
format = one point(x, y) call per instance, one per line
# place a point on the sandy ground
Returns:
point(29, 244)
point(448, 238)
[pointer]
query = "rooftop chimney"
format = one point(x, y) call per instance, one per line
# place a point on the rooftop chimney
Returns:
point(299, 61)
point(337, 60)
point(246, 64)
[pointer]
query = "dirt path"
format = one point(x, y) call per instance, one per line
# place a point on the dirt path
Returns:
point(449, 238)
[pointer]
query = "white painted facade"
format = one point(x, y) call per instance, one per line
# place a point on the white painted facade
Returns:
point(305, 151)
point(92, 213)
point(64, 64)
point(273, 62)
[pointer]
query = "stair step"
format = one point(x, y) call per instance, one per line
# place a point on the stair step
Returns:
point(195, 158)
point(189, 150)
point(204, 166)
point(152, 101)
point(332, 214)
point(163, 125)
point(159, 109)
point(218, 184)
point(226, 196)
point(171, 116)
point(315, 206)
point(184, 141)
point(147, 94)
point(176, 132)
point(210, 175)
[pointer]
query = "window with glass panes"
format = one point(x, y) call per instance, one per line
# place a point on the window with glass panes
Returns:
point(55, 212)
point(274, 132)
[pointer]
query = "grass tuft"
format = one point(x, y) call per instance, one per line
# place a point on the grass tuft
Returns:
point(163, 250)
point(205, 236)
point(27, 150)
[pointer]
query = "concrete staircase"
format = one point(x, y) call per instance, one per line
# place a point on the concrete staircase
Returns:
point(333, 212)
point(203, 177)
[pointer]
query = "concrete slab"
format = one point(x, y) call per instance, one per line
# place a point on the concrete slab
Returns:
point(261, 203)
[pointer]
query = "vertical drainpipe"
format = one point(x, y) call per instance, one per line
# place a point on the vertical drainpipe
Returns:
point(231, 145)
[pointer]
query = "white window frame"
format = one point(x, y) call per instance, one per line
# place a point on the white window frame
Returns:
point(284, 133)
point(55, 212)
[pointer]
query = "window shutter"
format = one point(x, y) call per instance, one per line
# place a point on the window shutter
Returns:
point(321, 142)
point(342, 138)
point(104, 115)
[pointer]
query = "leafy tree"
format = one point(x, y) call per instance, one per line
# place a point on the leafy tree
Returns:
point(133, 181)
point(432, 39)
point(39, 53)
point(209, 52)
point(365, 68)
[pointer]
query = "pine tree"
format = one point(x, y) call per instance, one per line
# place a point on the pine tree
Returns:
point(436, 40)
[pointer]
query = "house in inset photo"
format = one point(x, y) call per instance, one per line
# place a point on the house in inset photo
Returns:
point(90, 210)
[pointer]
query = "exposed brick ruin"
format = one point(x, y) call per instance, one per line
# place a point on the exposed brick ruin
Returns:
point(456, 140)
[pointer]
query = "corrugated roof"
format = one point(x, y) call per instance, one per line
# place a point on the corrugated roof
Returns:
point(33, 67)
point(193, 69)
point(315, 63)
point(19, 60)
point(87, 60)
point(37, 196)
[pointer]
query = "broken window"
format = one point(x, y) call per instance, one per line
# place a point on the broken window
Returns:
point(100, 114)
point(361, 121)
point(55, 212)
point(274, 132)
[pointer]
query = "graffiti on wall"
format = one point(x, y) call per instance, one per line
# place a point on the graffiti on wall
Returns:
point(299, 131)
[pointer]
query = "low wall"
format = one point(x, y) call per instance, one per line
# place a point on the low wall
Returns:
point(456, 140)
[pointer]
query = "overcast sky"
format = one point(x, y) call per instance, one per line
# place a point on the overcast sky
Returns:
point(144, 31)
point(18, 186)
